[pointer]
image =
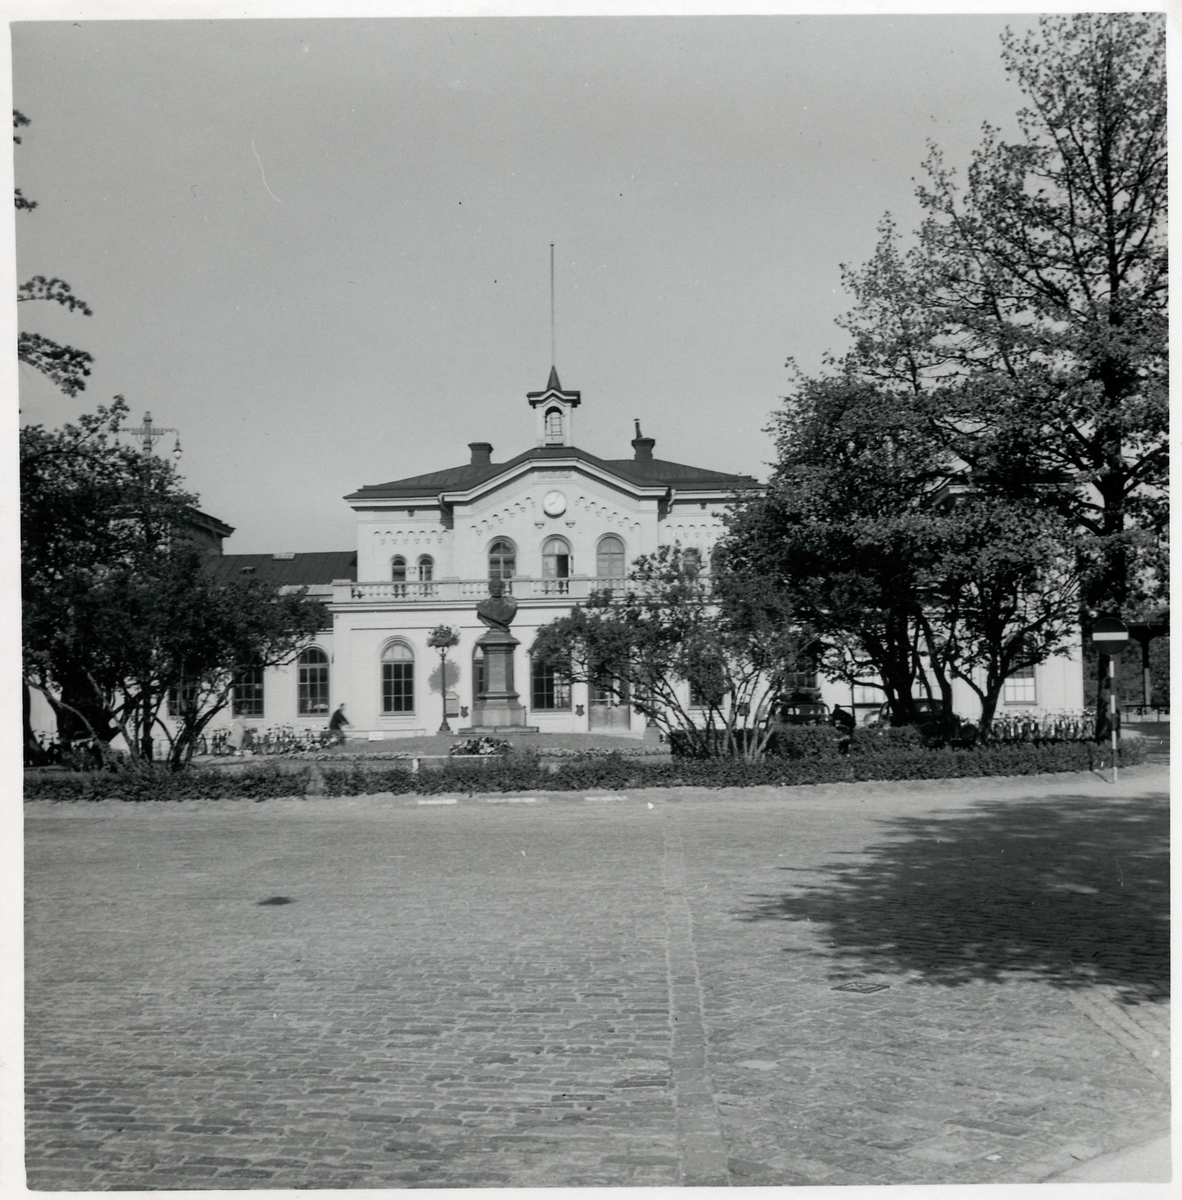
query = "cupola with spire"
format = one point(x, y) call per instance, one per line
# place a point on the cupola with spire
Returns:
point(554, 408)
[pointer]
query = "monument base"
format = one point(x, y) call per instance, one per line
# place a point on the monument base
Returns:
point(496, 730)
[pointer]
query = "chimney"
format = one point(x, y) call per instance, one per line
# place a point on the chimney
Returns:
point(642, 446)
point(481, 453)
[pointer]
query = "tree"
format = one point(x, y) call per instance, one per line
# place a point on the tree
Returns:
point(66, 366)
point(704, 659)
point(902, 573)
point(120, 611)
point(1030, 314)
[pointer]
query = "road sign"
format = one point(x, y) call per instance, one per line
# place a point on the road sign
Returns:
point(1110, 634)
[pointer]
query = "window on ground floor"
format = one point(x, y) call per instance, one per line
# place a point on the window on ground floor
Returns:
point(1019, 687)
point(549, 688)
point(398, 678)
point(313, 682)
point(248, 692)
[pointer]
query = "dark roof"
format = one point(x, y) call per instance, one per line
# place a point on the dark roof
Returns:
point(203, 520)
point(301, 570)
point(655, 472)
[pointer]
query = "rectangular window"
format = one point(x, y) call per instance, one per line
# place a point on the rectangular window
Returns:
point(549, 689)
point(1019, 687)
point(248, 692)
point(868, 693)
point(186, 694)
point(398, 687)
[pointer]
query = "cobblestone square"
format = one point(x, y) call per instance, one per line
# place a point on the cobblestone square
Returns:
point(897, 983)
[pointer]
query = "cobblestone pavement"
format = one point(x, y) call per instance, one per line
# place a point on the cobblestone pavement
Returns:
point(942, 982)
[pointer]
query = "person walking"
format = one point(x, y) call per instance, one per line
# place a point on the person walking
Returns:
point(337, 723)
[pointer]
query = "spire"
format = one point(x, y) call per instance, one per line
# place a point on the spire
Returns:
point(553, 385)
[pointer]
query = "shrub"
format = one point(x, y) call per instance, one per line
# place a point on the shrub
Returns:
point(891, 758)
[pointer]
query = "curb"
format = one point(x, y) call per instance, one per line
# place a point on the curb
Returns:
point(1147, 1163)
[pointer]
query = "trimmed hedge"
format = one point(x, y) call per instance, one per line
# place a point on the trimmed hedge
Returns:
point(523, 773)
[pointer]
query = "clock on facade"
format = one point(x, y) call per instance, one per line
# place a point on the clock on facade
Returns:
point(554, 504)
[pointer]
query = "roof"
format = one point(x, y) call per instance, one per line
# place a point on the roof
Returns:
point(655, 472)
point(298, 570)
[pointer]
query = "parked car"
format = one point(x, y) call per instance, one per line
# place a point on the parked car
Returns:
point(926, 709)
point(804, 713)
point(930, 722)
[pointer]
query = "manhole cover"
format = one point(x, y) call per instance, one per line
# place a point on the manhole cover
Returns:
point(858, 985)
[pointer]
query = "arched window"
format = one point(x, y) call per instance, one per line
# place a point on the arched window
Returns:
point(502, 559)
point(609, 558)
point(555, 559)
point(426, 569)
point(398, 678)
point(691, 560)
point(313, 686)
point(398, 569)
point(554, 427)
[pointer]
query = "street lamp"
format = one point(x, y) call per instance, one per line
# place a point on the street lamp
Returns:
point(442, 638)
point(150, 434)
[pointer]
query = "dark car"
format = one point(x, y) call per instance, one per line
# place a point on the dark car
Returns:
point(925, 709)
point(931, 724)
point(804, 712)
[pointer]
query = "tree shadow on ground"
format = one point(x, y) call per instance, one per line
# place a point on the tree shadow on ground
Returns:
point(1072, 890)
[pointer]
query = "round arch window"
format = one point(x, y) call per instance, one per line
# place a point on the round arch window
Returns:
point(609, 558)
point(502, 559)
point(555, 559)
point(398, 678)
point(313, 682)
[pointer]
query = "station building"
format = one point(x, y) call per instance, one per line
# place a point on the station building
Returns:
point(554, 522)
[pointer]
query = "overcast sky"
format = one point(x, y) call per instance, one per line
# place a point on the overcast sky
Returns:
point(321, 248)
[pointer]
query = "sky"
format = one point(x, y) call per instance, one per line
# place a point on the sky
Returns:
point(320, 249)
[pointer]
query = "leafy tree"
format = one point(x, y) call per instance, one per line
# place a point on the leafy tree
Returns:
point(119, 607)
point(703, 658)
point(66, 366)
point(1030, 314)
point(902, 573)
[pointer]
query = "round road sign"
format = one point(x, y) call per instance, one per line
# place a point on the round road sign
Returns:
point(1110, 633)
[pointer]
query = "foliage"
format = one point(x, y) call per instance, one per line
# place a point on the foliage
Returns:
point(900, 577)
point(119, 606)
point(1020, 340)
point(66, 366)
point(1031, 312)
point(613, 772)
point(480, 745)
point(703, 657)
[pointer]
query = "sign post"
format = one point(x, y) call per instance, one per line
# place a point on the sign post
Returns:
point(1111, 635)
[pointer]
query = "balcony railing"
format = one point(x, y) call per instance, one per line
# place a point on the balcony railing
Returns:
point(450, 591)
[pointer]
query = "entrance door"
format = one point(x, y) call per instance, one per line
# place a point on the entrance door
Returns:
point(606, 710)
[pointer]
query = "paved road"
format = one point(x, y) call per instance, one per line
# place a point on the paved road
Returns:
point(943, 982)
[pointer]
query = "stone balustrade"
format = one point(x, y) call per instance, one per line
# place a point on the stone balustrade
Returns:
point(469, 591)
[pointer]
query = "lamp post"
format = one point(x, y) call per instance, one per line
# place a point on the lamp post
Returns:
point(150, 434)
point(1111, 636)
point(442, 638)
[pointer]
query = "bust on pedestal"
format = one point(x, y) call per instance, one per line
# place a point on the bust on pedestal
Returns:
point(497, 705)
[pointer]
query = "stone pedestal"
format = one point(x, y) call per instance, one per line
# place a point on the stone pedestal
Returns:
point(497, 706)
